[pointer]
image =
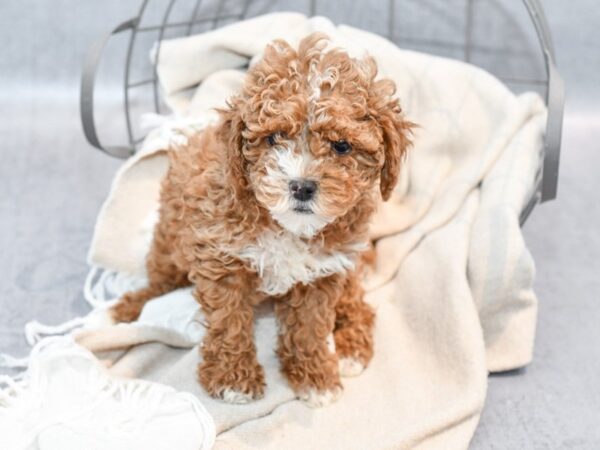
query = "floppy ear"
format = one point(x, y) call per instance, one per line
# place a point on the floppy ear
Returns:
point(230, 133)
point(396, 135)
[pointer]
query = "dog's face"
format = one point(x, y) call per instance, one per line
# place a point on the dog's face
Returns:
point(312, 132)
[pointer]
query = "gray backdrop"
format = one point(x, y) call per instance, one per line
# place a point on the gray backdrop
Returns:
point(52, 184)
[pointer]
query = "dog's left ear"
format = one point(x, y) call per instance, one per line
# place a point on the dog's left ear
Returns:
point(230, 133)
point(396, 134)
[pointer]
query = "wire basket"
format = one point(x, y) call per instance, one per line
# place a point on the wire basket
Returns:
point(509, 39)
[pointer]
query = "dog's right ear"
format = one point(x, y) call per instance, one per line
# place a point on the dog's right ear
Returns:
point(396, 134)
point(230, 133)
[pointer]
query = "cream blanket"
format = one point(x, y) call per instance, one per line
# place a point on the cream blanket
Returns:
point(452, 286)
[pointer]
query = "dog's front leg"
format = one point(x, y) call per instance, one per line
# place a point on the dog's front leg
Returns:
point(353, 329)
point(229, 369)
point(306, 321)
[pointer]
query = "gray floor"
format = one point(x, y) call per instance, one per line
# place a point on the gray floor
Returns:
point(52, 184)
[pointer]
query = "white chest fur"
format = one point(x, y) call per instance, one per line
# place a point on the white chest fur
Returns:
point(283, 259)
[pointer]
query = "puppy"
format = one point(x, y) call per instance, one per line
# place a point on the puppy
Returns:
point(274, 203)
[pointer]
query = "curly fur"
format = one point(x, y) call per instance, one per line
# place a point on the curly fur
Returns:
point(229, 225)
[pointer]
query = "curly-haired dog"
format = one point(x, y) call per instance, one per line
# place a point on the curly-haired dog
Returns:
point(274, 202)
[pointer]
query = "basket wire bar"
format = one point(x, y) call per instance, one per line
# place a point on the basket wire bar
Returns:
point(90, 65)
point(554, 101)
point(554, 91)
point(127, 74)
point(219, 10)
point(194, 16)
point(161, 34)
point(391, 15)
point(185, 24)
point(468, 31)
point(140, 83)
point(245, 9)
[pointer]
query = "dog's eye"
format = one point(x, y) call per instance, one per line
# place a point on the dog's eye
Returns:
point(272, 139)
point(341, 147)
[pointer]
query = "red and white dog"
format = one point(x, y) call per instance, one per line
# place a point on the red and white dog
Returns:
point(274, 203)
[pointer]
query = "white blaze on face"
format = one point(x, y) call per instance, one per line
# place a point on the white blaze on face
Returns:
point(293, 164)
point(314, 81)
point(319, 83)
point(294, 161)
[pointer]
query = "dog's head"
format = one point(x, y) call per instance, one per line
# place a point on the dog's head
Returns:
point(312, 132)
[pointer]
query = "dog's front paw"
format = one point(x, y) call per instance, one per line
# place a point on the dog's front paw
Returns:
point(318, 399)
point(244, 392)
point(315, 381)
point(238, 386)
point(238, 398)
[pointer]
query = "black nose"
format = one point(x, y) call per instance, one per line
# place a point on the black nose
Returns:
point(303, 190)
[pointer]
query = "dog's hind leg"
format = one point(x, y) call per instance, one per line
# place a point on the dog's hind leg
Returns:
point(163, 276)
point(353, 332)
